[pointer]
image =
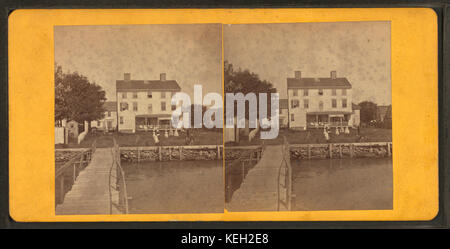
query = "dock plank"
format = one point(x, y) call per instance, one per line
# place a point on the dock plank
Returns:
point(258, 192)
point(90, 192)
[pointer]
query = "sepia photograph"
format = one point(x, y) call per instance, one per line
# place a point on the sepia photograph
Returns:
point(117, 148)
point(331, 109)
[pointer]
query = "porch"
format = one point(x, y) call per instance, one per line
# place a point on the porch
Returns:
point(335, 119)
point(153, 121)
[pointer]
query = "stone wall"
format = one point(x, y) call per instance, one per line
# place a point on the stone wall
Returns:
point(149, 154)
point(63, 156)
point(314, 151)
point(340, 151)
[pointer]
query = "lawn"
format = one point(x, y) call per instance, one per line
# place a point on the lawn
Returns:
point(315, 136)
point(201, 137)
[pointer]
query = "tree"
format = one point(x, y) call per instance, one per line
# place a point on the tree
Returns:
point(368, 111)
point(61, 109)
point(244, 81)
point(76, 98)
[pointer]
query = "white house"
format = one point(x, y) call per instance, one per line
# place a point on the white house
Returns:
point(109, 122)
point(145, 104)
point(315, 102)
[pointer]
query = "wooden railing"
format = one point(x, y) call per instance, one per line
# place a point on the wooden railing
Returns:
point(284, 191)
point(66, 175)
point(117, 184)
point(236, 171)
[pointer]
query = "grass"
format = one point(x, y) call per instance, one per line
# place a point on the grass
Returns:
point(315, 136)
point(201, 137)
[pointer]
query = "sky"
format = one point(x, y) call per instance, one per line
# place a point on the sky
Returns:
point(190, 54)
point(359, 51)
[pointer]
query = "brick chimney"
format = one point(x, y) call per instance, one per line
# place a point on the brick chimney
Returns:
point(298, 74)
point(333, 75)
point(127, 76)
point(162, 76)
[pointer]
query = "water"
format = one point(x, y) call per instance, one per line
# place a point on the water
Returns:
point(175, 187)
point(343, 184)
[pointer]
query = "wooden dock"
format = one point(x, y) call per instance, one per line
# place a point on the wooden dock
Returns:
point(260, 190)
point(90, 193)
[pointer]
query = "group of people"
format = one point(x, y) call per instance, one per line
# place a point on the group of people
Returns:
point(167, 133)
point(338, 130)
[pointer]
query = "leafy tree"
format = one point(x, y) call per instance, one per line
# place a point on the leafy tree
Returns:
point(368, 111)
point(76, 98)
point(61, 109)
point(244, 81)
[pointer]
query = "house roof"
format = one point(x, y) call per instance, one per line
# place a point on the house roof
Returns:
point(318, 83)
point(127, 85)
point(284, 104)
point(110, 106)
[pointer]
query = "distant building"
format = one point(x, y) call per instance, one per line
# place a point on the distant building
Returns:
point(382, 110)
point(109, 122)
point(145, 104)
point(284, 113)
point(384, 115)
point(355, 118)
point(315, 102)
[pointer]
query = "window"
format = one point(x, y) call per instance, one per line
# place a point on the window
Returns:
point(163, 95)
point(150, 108)
point(98, 123)
point(163, 106)
point(135, 106)
point(121, 120)
point(135, 95)
point(344, 92)
point(305, 103)
point(292, 118)
point(333, 103)
point(333, 92)
point(123, 106)
point(124, 95)
point(174, 107)
point(295, 92)
point(149, 95)
point(320, 91)
point(294, 103)
point(305, 92)
point(344, 103)
point(321, 105)
point(109, 114)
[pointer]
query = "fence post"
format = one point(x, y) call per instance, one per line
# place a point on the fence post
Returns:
point(340, 150)
point(159, 152)
point(309, 151)
point(351, 150)
point(139, 154)
point(170, 154)
point(180, 148)
point(330, 148)
point(388, 148)
point(61, 187)
point(243, 170)
point(74, 172)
